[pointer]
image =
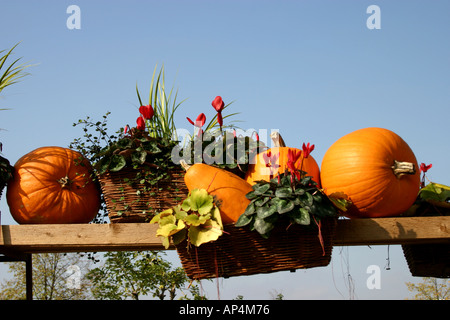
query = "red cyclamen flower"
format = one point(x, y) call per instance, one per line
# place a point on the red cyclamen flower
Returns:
point(218, 105)
point(307, 149)
point(424, 168)
point(140, 123)
point(293, 156)
point(146, 111)
point(199, 122)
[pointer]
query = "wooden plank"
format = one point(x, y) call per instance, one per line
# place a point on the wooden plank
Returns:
point(404, 230)
point(79, 237)
point(142, 236)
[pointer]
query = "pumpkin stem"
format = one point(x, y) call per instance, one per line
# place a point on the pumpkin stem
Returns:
point(184, 165)
point(401, 168)
point(65, 182)
point(277, 140)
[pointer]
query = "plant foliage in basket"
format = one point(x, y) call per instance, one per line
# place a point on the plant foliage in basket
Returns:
point(197, 219)
point(291, 198)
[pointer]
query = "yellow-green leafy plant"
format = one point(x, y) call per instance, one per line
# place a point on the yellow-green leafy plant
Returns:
point(197, 219)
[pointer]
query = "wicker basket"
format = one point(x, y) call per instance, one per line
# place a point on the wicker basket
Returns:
point(125, 204)
point(429, 259)
point(242, 252)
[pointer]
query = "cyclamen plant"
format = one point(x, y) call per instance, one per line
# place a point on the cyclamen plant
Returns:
point(291, 197)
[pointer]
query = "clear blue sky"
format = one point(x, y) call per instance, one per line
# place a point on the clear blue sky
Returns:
point(311, 69)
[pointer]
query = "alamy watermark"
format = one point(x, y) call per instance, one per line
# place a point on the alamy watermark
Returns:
point(374, 280)
point(73, 281)
point(74, 20)
point(374, 20)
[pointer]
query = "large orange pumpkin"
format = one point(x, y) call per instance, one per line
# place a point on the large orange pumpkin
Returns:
point(376, 169)
point(53, 185)
point(228, 189)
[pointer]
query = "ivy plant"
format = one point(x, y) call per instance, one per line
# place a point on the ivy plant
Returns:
point(285, 199)
point(197, 219)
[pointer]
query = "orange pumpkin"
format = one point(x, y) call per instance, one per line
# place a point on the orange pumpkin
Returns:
point(228, 189)
point(376, 169)
point(53, 185)
point(259, 171)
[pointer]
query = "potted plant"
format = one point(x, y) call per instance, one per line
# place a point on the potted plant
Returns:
point(289, 224)
point(139, 167)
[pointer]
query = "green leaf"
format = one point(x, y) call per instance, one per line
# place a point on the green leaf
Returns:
point(283, 192)
point(251, 195)
point(125, 143)
point(435, 192)
point(303, 217)
point(178, 237)
point(139, 157)
point(261, 189)
point(250, 209)
point(243, 220)
point(266, 211)
point(284, 206)
point(211, 231)
point(262, 226)
point(117, 163)
point(262, 201)
point(307, 199)
point(199, 200)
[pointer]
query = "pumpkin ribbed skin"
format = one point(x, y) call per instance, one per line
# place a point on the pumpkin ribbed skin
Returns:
point(228, 189)
point(258, 171)
point(360, 165)
point(51, 186)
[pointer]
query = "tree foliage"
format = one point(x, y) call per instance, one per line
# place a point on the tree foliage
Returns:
point(52, 275)
point(132, 275)
point(430, 289)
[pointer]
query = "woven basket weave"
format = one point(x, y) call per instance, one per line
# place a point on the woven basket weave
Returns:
point(242, 252)
point(125, 204)
point(429, 260)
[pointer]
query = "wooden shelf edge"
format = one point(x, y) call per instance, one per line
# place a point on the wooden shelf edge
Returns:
point(142, 236)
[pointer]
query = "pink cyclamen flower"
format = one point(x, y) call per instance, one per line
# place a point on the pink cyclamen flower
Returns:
point(424, 168)
point(140, 123)
point(146, 112)
point(307, 149)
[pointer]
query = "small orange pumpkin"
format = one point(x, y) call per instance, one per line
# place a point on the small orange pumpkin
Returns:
point(53, 185)
point(376, 169)
point(228, 189)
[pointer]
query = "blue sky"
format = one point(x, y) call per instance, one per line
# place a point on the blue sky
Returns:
point(311, 69)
